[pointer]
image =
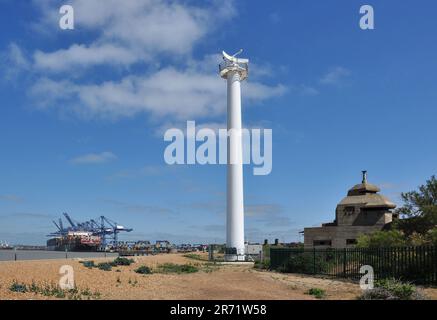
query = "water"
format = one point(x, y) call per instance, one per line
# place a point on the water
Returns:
point(9, 255)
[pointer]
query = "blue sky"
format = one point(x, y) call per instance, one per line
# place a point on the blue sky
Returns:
point(83, 111)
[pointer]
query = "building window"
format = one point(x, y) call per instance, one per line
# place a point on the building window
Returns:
point(321, 243)
point(351, 241)
point(349, 210)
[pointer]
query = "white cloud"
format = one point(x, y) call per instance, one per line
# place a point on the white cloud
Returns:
point(335, 76)
point(131, 31)
point(13, 61)
point(180, 94)
point(158, 37)
point(83, 56)
point(16, 56)
point(94, 158)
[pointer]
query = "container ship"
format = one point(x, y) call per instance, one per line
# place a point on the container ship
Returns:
point(93, 235)
point(75, 241)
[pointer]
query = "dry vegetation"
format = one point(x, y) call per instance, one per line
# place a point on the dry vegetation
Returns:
point(169, 282)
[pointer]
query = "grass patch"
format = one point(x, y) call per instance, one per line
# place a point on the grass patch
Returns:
point(210, 267)
point(194, 256)
point(143, 270)
point(105, 266)
point(317, 293)
point(391, 289)
point(176, 268)
point(54, 290)
point(120, 261)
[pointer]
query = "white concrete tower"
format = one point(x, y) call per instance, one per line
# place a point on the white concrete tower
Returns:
point(234, 70)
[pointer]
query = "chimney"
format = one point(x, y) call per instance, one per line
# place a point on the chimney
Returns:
point(364, 176)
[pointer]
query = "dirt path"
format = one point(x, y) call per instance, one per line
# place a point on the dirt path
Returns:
point(224, 282)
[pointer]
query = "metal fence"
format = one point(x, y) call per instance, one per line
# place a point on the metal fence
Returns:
point(414, 264)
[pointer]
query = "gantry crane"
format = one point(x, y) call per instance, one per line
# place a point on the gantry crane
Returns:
point(105, 228)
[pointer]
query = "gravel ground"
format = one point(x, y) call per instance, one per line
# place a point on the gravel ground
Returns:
point(224, 282)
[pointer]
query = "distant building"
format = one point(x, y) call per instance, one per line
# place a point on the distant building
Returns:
point(253, 249)
point(363, 211)
point(162, 245)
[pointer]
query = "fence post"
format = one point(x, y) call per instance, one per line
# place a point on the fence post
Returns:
point(211, 252)
point(435, 266)
point(66, 255)
point(344, 262)
point(314, 260)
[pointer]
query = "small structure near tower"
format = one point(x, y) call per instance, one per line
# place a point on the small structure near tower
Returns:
point(363, 211)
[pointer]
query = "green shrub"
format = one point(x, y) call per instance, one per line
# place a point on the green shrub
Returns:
point(304, 262)
point(317, 292)
point(401, 290)
point(88, 264)
point(143, 270)
point(33, 287)
point(177, 268)
point(86, 292)
point(391, 289)
point(120, 261)
point(262, 264)
point(392, 238)
point(431, 236)
point(377, 294)
point(105, 266)
point(18, 287)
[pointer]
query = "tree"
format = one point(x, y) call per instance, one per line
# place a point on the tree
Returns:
point(418, 223)
point(419, 212)
point(431, 237)
point(392, 238)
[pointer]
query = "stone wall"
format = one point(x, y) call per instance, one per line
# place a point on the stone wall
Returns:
point(336, 234)
point(358, 216)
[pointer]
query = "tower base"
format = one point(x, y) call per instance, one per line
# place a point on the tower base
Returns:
point(233, 254)
point(235, 257)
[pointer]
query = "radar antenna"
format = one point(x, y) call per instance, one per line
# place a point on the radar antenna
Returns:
point(237, 53)
point(233, 58)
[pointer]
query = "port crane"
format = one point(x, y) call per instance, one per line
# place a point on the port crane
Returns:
point(102, 226)
point(113, 231)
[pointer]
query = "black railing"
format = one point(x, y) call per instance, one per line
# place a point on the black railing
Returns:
point(413, 264)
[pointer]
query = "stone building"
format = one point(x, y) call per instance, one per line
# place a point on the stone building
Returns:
point(363, 211)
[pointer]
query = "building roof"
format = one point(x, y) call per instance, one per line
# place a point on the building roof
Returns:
point(370, 200)
point(366, 195)
point(363, 188)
